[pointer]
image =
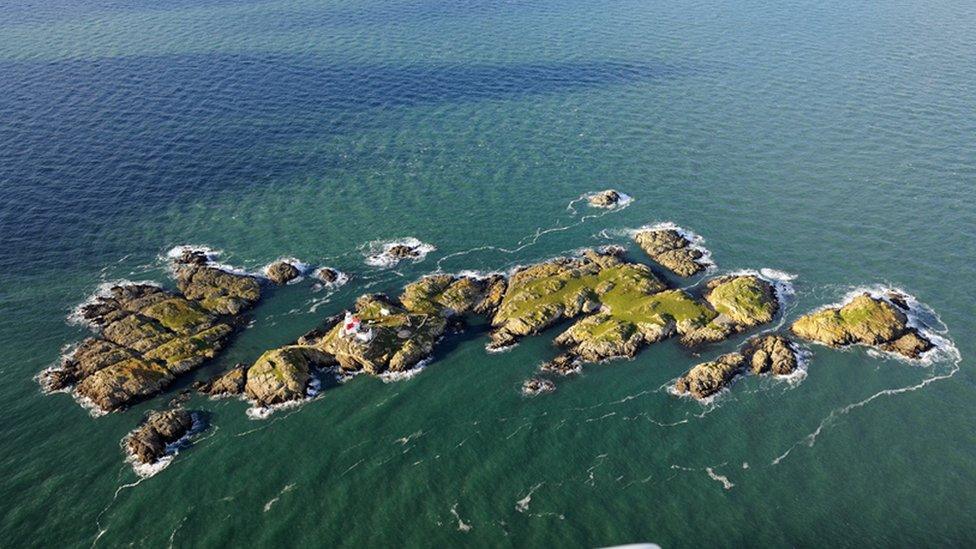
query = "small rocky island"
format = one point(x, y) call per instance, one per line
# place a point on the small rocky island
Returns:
point(283, 272)
point(607, 199)
point(875, 321)
point(149, 442)
point(672, 249)
point(148, 336)
point(770, 354)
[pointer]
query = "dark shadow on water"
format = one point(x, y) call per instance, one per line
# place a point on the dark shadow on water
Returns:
point(88, 144)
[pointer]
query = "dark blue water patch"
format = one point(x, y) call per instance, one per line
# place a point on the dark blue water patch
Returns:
point(49, 11)
point(86, 145)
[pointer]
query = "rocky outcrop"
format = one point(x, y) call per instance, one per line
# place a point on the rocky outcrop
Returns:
point(708, 378)
point(672, 250)
point(865, 320)
point(148, 443)
point(740, 301)
point(767, 354)
point(226, 383)
point(605, 199)
point(391, 337)
point(148, 336)
point(282, 272)
point(450, 295)
point(541, 295)
point(537, 386)
point(217, 290)
point(328, 276)
point(770, 354)
point(283, 374)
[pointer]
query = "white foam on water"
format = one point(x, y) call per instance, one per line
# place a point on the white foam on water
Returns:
point(272, 501)
point(461, 525)
point(211, 255)
point(726, 483)
point(522, 505)
point(377, 252)
point(392, 377)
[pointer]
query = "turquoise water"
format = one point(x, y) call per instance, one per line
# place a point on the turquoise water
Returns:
point(830, 140)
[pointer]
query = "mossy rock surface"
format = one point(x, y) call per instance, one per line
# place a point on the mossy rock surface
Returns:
point(179, 315)
point(865, 320)
point(282, 374)
point(399, 339)
point(746, 299)
point(543, 294)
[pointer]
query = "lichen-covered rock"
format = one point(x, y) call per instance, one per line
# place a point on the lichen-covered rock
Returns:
point(218, 290)
point(283, 374)
point(770, 354)
point(672, 250)
point(865, 320)
point(740, 301)
point(708, 378)
point(537, 386)
point(282, 272)
point(540, 295)
point(390, 338)
point(230, 382)
point(604, 199)
point(149, 336)
point(147, 444)
point(449, 295)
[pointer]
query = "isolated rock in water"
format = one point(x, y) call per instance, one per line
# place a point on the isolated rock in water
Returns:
point(541, 295)
point(537, 385)
point(604, 199)
point(403, 251)
point(770, 354)
point(281, 272)
point(190, 256)
point(328, 275)
point(741, 302)
point(283, 374)
point(564, 365)
point(147, 444)
point(708, 378)
point(865, 320)
point(388, 338)
point(230, 382)
point(672, 250)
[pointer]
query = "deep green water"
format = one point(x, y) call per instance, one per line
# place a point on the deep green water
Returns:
point(831, 140)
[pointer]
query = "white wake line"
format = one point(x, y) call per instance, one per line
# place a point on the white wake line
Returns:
point(810, 439)
point(526, 241)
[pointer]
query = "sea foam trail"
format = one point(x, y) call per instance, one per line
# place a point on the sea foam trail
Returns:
point(532, 239)
point(920, 317)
